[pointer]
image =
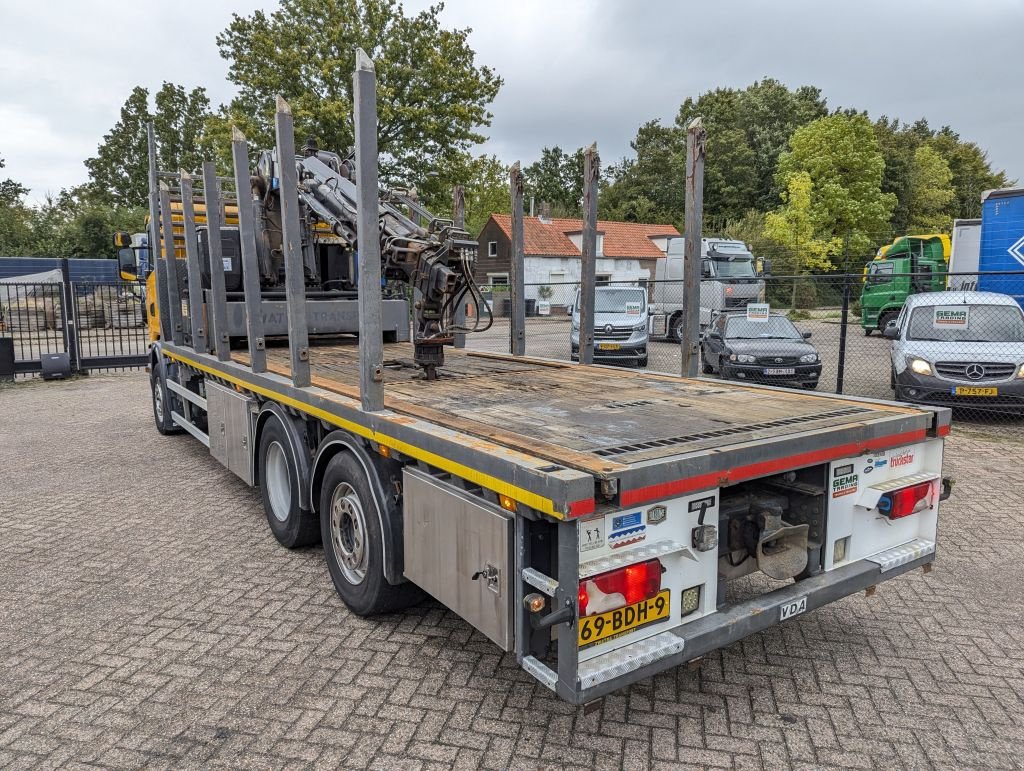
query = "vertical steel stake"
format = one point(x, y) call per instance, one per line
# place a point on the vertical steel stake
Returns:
point(162, 301)
point(459, 218)
point(291, 241)
point(371, 338)
point(196, 309)
point(250, 261)
point(696, 136)
point(173, 274)
point(517, 313)
point(588, 253)
point(218, 294)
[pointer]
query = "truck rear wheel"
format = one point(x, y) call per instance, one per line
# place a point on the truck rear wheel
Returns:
point(353, 542)
point(291, 525)
point(884, 319)
point(676, 327)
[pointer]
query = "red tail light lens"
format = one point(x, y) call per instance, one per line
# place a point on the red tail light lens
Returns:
point(902, 503)
point(618, 588)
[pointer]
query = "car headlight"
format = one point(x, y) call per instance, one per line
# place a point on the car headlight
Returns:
point(641, 326)
point(1020, 372)
point(920, 366)
point(743, 358)
point(809, 358)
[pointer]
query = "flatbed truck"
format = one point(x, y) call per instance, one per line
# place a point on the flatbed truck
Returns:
point(601, 524)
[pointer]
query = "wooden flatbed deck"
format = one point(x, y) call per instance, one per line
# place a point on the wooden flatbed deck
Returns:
point(596, 419)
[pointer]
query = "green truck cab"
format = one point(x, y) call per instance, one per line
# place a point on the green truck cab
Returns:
point(909, 265)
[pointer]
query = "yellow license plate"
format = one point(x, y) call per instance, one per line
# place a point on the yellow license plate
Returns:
point(612, 623)
point(608, 346)
point(975, 391)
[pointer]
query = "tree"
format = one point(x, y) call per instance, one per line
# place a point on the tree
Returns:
point(487, 191)
point(931, 192)
point(432, 95)
point(557, 179)
point(648, 188)
point(842, 159)
point(793, 226)
point(972, 174)
point(14, 221)
point(119, 171)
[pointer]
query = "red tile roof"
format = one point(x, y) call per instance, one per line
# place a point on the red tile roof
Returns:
point(621, 239)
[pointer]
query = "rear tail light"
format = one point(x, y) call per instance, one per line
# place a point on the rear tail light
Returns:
point(906, 501)
point(618, 588)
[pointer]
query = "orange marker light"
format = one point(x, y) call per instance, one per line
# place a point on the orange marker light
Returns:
point(507, 503)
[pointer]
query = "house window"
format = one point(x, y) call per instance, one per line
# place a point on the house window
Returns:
point(492, 248)
point(556, 276)
point(603, 278)
point(600, 244)
point(497, 279)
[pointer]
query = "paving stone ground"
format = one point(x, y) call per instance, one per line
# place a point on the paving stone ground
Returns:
point(148, 618)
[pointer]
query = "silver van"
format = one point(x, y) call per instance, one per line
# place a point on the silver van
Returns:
point(620, 325)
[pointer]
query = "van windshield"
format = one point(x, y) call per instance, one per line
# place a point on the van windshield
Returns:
point(632, 301)
point(974, 324)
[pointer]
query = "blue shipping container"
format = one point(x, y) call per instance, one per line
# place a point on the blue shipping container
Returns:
point(1002, 241)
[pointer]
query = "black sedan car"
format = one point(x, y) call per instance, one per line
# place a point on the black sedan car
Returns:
point(770, 351)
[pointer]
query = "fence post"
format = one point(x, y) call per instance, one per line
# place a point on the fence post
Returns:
point(588, 253)
point(371, 336)
point(843, 318)
point(69, 315)
point(459, 219)
point(517, 288)
point(696, 135)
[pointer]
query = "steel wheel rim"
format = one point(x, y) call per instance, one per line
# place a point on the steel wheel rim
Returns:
point(279, 482)
point(348, 533)
point(158, 401)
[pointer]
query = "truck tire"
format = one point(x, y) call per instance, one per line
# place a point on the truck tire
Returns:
point(884, 319)
point(353, 543)
point(675, 328)
point(162, 404)
point(292, 525)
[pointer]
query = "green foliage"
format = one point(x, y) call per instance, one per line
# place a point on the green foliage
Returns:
point(432, 95)
point(843, 162)
point(118, 172)
point(557, 179)
point(796, 227)
point(648, 188)
point(487, 191)
point(972, 174)
point(931, 192)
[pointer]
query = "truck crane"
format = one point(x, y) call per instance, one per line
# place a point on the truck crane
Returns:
point(590, 520)
point(430, 255)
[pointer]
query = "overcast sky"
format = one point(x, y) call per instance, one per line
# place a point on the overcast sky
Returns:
point(574, 72)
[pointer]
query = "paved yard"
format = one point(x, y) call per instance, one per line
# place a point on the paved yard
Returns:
point(147, 616)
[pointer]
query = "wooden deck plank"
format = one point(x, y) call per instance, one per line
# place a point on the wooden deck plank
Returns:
point(596, 419)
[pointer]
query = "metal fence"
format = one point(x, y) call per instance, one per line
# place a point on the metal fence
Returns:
point(820, 332)
point(97, 325)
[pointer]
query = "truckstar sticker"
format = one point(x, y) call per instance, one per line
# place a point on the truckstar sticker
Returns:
point(1016, 250)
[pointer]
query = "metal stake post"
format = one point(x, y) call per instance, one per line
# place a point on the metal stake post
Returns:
point(171, 261)
point(696, 136)
point(459, 218)
point(517, 314)
point(250, 261)
point(69, 316)
point(218, 294)
point(156, 263)
point(291, 241)
point(588, 254)
point(371, 339)
point(843, 319)
point(196, 312)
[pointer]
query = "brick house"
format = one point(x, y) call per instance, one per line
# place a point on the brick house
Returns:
point(626, 251)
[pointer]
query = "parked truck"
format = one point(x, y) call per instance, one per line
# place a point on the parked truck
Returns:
point(910, 264)
point(730, 280)
point(596, 522)
point(988, 253)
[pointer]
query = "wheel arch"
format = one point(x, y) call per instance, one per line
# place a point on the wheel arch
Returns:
point(294, 430)
point(375, 469)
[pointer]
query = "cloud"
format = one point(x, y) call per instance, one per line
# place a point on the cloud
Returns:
point(575, 71)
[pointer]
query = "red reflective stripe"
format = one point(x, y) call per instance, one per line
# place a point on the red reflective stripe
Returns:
point(581, 508)
point(942, 430)
point(764, 468)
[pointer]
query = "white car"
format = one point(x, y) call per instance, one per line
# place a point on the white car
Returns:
point(959, 349)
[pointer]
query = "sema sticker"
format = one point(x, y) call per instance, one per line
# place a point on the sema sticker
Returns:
point(633, 309)
point(844, 485)
point(951, 316)
point(758, 311)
